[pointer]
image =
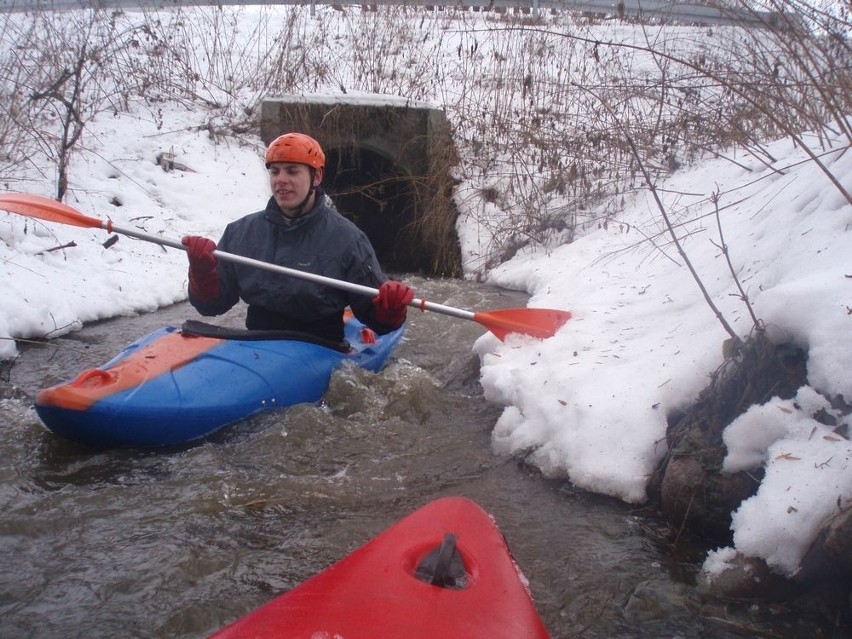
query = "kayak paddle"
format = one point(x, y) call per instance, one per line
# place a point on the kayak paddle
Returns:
point(536, 322)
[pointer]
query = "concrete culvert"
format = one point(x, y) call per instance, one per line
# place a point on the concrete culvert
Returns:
point(388, 164)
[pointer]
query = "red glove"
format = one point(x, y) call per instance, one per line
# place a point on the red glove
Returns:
point(204, 282)
point(392, 303)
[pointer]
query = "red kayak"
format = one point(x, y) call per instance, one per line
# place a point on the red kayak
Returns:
point(443, 572)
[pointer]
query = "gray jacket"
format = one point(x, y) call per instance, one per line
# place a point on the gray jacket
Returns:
point(323, 242)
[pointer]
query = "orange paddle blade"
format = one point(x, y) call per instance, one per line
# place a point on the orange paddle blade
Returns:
point(537, 322)
point(45, 208)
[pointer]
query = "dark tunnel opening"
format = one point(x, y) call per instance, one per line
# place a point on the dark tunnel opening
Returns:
point(379, 198)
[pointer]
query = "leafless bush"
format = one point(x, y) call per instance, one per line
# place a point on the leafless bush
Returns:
point(16, 145)
point(676, 100)
point(58, 69)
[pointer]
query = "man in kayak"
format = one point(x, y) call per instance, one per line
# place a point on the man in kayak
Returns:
point(299, 230)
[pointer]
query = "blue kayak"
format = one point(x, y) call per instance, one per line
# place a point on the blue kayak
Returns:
point(176, 385)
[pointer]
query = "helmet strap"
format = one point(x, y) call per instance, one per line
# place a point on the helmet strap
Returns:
point(300, 210)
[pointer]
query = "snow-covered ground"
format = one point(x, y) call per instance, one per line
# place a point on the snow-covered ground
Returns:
point(592, 400)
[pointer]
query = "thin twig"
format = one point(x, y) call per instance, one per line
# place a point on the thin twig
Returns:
point(722, 246)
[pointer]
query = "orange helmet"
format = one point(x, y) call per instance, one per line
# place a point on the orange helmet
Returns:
point(295, 147)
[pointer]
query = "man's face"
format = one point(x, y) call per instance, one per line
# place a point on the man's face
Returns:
point(290, 183)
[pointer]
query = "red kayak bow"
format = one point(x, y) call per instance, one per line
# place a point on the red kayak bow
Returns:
point(442, 572)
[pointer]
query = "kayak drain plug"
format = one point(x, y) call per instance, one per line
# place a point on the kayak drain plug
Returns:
point(443, 566)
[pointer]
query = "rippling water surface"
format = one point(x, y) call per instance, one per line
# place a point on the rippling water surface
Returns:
point(179, 542)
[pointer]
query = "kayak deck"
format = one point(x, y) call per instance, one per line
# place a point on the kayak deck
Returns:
point(399, 585)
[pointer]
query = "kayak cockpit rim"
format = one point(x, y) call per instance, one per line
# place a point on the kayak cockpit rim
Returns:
point(195, 328)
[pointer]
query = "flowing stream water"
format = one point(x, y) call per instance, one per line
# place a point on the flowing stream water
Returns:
point(179, 542)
